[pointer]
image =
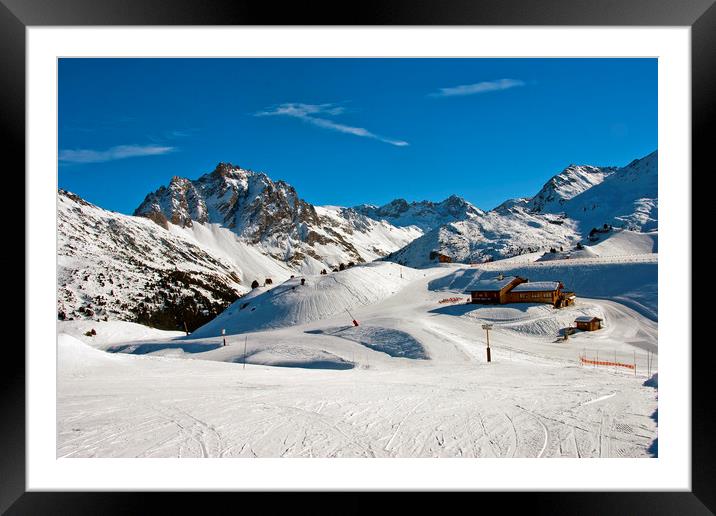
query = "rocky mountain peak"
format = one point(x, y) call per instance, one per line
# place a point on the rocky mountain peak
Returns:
point(425, 215)
point(267, 214)
point(569, 183)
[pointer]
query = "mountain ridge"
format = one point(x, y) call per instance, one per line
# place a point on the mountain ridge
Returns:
point(270, 215)
point(577, 204)
point(206, 241)
point(424, 214)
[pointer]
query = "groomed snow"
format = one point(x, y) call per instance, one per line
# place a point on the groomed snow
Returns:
point(626, 243)
point(379, 360)
point(112, 332)
point(180, 408)
point(292, 303)
point(410, 381)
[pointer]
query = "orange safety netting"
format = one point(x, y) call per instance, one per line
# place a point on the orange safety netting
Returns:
point(452, 300)
point(606, 363)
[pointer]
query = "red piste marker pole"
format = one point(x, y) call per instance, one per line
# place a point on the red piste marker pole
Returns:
point(355, 323)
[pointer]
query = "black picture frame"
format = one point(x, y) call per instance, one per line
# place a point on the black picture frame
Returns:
point(17, 15)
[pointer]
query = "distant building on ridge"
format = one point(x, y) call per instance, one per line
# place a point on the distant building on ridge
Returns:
point(442, 258)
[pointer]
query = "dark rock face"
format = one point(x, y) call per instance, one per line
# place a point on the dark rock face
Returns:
point(258, 209)
point(248, 202)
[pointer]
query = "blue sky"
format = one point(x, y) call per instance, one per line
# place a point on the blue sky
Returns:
point(350, 131)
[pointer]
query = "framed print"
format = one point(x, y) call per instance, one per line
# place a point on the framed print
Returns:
point(430, 248)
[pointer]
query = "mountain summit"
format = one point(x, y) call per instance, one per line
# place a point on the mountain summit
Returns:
point(425, 215)
point(577, 204)
point(271, 216)
point(569, 183)
point(194, 246)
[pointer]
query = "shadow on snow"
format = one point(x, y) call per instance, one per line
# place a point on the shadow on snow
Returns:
point(394, 343)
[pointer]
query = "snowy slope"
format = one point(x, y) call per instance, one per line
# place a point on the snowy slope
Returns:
point(489, 236)
point(509, 408)
point(270, 216)
point(217, 234)
point(75, 358)
point(616, 242)
point(569, 183)
point(512, 205)
point(322, 295)
point(562, 213)
point(425, 215)
point(411, 381)
point(628, 198)
point(119, 267)
point(114, 266)
point(634, 284)
point(112, 332)
point(221, 242)
point(370, 238)
point(626, 243)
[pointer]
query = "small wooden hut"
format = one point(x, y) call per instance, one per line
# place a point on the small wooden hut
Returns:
point(586, 323)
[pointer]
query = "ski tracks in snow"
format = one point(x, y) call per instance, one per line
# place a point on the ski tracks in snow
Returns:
point(194, 433)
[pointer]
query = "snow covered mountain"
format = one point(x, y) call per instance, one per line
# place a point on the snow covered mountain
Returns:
point(621, 197)
point(119, 267)
point(572, 206)
point(492, 236)
point(194, 246)
point(425, 215)
point(626, 198)
point(270, 216)
point(510, 205)
point(569, 183)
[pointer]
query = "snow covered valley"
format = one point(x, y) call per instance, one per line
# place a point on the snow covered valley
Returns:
point(296, 378)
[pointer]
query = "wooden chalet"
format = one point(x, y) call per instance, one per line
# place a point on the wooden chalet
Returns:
point(514, 289)
point(541, 292)
point(565, 299)
point(493, 291)
point(586, 323)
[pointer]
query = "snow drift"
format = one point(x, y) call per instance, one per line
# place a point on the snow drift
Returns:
point(291, 303)
point(74, 357)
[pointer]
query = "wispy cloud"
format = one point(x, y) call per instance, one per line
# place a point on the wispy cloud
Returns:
point(111, 154)
point(314, 114)
point(162, 137)
point(478, 87)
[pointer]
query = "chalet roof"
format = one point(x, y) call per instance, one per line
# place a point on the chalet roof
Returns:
point(586, 318)
point(537, 286)
point(491, 284)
